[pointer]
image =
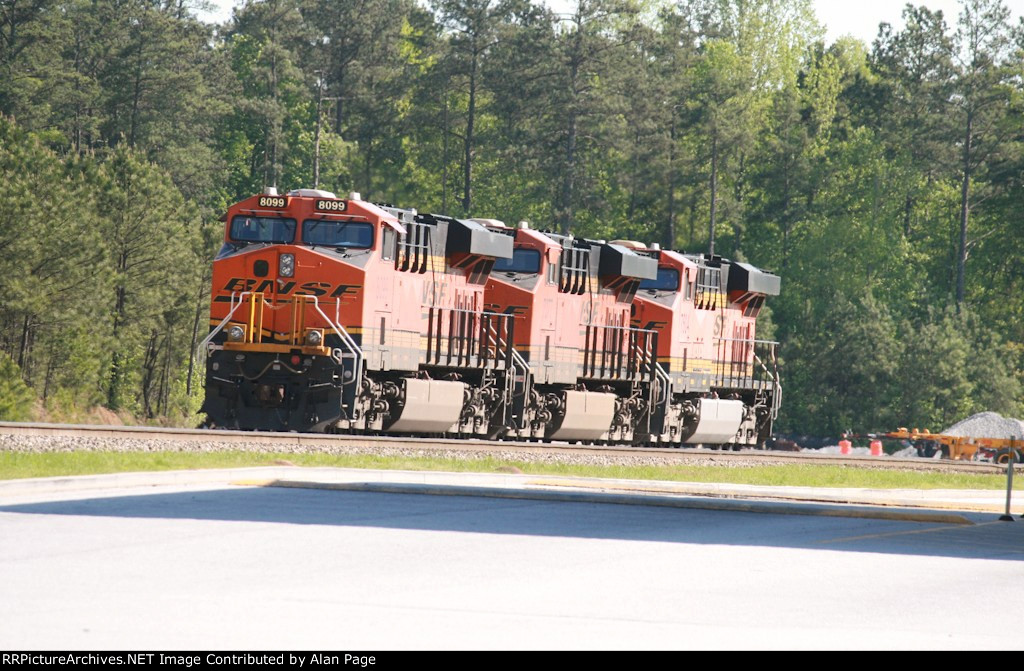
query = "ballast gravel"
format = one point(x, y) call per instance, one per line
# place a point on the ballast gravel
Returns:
point(29, 443)
point(987, 425)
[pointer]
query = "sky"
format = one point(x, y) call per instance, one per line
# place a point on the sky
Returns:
point(859, 18)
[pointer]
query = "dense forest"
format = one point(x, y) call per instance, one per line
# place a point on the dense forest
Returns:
point(883, 182)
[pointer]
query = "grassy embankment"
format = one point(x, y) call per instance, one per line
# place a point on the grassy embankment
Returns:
point(34, 465)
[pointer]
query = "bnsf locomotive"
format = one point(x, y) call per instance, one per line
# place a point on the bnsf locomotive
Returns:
point(340, 315)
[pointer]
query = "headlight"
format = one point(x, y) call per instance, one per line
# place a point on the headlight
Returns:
point(236, 334)
point(286, 265)
point(314, 338)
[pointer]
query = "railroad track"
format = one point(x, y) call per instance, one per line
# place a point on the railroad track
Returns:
point(221, 439)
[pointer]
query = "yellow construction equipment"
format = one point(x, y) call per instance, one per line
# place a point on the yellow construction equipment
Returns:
point(963, 448)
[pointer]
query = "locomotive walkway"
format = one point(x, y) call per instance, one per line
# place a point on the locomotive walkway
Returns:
point(935, 506)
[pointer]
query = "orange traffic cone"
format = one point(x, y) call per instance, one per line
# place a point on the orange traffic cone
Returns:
point(844, 446)
point(876, 448)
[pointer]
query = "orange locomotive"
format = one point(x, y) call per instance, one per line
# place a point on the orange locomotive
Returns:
point(593, 377)
point(339, 315)
point(725, 386)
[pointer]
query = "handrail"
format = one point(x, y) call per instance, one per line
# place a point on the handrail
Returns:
point(752, 341)
point(777, 383)
point(338, 329)
point(519, 362)
point(346, 339)
point(202, 347)
point(741, 359)
point(664, 382)
point(457, 335)
point(765, 368)
point(355, 352)
point(630, 351)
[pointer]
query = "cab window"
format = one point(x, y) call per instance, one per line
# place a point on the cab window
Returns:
point(352, 234)
point(522, 261)
point(667, 280)
point(262, 229)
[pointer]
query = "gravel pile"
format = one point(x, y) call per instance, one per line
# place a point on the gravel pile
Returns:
point(987, 425)
point(24, 443)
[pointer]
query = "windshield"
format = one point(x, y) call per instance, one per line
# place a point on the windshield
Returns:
point(262, 229)
point(667, 280)
point(354, 234)
point(522, 261)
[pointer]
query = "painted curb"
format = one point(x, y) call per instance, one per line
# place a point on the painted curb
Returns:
point(962, 500)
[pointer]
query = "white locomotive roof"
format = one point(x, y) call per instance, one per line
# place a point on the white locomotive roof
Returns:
point(312, 193)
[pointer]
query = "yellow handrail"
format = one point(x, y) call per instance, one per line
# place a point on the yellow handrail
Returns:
point(254, 330)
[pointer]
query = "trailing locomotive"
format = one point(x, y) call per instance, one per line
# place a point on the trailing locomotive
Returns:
point(340, 315)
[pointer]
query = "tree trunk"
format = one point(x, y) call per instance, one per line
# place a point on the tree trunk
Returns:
point(368, 171)
point(908, 210)
point(316, 134)
point(273, 131)
point(444, 152)
point(634, 178)
point(195, 331)
point(339, 93)
point(670, 229)
point(739, 194)
point(569, 179)
point(786, 219)
point(148, 370)
point(48, 378)
point(691, 234)
point(119, 310)
point(965, 211)
point(23, 349)
point(165, 376)
point(136, 96)
point(714, 193)
point(467, 194)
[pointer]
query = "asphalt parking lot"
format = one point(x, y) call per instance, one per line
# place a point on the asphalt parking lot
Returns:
point(219, 567)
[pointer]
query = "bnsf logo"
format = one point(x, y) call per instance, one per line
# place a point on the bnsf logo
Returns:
point(273, 201)
point(285, 288)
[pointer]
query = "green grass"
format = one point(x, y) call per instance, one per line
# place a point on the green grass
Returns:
point(49, 464)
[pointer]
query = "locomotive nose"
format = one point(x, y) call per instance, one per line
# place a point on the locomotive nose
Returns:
point(270, 272)
point(271, 264)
